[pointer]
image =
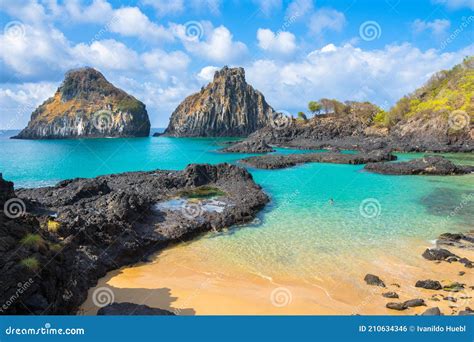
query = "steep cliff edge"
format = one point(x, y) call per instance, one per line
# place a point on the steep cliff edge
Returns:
point(86, 105)
point(227, 106)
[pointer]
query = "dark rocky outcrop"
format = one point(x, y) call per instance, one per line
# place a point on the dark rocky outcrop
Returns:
point(227, 106)
point(405, 305)
point(130, 309)
point(86, 105)
point(459, 240)
point(390, 294)
point(97, 225)
point(432, 312)
point(374, 280)
point(6, 191)
point(429, 284)
point(249, 146)
point(437, 254)
point(467, 312)
point(280, 161)
point(430, 165)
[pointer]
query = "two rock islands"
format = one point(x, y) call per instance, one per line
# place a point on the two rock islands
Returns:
point(437, 117)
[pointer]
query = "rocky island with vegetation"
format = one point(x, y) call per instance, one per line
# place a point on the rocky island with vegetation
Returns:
point(86, 105)
point(228, 106)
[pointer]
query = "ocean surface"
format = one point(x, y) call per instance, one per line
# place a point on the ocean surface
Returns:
point(301, 234)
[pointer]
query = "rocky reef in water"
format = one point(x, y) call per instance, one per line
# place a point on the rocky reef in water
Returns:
point(86, 105)
point(228, 106)
point(429, 165)
point(280, 161)
point(60, 240)
point(249, 146)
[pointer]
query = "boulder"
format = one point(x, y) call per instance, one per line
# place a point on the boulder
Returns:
point(374, 280)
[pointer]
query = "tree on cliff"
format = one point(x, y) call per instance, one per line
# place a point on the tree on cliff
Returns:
point(314, 107)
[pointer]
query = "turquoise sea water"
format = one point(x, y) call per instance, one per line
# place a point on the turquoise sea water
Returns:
point(300, 228)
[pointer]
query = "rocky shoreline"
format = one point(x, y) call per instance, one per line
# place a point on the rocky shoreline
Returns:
point(281, 161)
point(456, 292)
point(62, 239)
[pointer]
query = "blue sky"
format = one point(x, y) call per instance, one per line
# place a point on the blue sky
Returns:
point(293, 51)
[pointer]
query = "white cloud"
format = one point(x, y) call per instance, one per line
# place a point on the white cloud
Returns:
point(107, 54)
point(268, 6)
point(166, 7)
point(20, 100)
point(349, 73)
point(437, 27)
point(326, 19)
point(130, 21)
point(19, 61)
point(456, 4)
point(161, 60)
point(281, 43)
point(27, 11)
point(99, 11)
point(214, 44)
point(207, 73)
point(299, 8)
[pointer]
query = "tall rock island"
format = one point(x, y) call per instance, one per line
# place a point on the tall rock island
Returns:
point(227, 106)
point(86, 105)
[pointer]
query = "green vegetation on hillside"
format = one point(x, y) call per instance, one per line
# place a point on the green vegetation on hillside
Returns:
point(445, 92)
point(31, 263)
point(33, 240)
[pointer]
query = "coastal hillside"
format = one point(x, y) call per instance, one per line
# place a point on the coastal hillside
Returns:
point(440, 112)
point(228, 106)
point(86, 105)
point(436, 117)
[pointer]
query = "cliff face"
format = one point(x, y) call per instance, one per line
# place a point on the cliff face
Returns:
point(227, 106)
point(86, 105)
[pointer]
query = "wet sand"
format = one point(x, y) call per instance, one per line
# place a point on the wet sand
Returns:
point(186, 284)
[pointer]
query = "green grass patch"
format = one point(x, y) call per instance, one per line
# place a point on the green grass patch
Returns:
point(32, 240)
point(202, 192)
point(30, 263)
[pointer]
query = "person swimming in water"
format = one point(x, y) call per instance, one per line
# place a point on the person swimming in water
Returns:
point(331, 201)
